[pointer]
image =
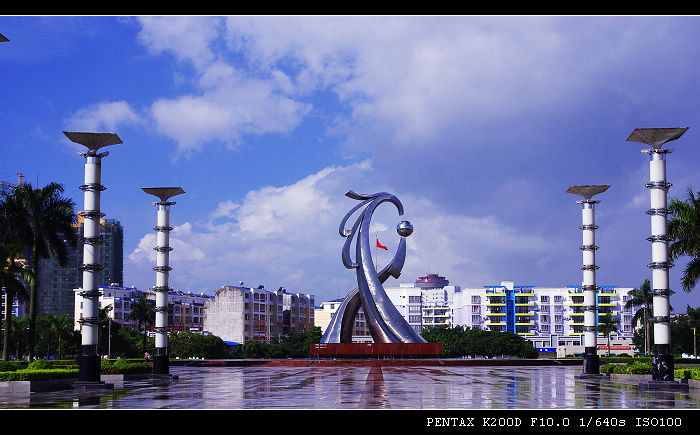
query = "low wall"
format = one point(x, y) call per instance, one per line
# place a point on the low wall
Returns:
point(375, 350)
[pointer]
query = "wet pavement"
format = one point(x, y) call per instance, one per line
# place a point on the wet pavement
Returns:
point(375, 387)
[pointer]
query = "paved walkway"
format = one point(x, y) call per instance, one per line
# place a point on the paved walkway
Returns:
point(374, 387)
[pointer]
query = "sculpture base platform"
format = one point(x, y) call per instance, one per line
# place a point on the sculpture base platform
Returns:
point(376, 350)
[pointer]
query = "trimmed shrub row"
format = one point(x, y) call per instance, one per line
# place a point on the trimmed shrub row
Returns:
point(644, 368)
point(124, 366)
point(42, 369)
point(633, 368)
point(38, 375)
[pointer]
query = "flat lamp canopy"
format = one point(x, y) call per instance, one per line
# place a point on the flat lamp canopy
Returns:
point(3, 39)
point(587, 191)
point(164, 193)
point(656, 137)
point(93, 141)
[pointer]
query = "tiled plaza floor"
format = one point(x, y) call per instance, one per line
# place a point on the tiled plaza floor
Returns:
point(324, 388)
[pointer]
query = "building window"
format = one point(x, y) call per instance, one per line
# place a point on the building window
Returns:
point(414, 299)
point(558, 319)
point(476, 299)
point(558, 299)
point(544, 299)
point(476, 308)
point(558, 329)
point(476, 319)
point(544, 308)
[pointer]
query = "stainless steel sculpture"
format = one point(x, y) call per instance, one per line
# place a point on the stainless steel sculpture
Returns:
point(591, 363)
point(385, 323)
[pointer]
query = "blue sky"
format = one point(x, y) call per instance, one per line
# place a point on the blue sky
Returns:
point(477, 124)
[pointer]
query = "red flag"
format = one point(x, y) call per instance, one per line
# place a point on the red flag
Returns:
point(380, 246)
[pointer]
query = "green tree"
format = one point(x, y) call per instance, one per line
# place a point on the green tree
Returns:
point(643, 298)
point(684, 235)
point(254, 349)
point(14, 275)
point(185, 344)
point(106, 327)
point(127, 343)
point(460, 341)
point(607, 325)
point(693, 322)
point(144, 312)
point(297, 345)
point(47, 219)
point(19, 335)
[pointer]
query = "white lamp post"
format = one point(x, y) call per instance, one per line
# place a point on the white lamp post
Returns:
point(89, 373)
point(662, 358)
point(591, 362)
point(161, 359)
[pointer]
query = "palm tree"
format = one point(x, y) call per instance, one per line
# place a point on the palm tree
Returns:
point(144, 312)
point(105, 329)
point(47, 226)
point(693, 320)
point(61, 326)
point(607, 325)
point(684, 235)
point(20, 328)
point(642, 297)
point(13, 274)
point(13, 277)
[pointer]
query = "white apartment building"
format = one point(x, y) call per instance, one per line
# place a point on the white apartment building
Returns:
point(550, 318)
point(238, 314)
point(324, 313)
point(118, 297)
point(185, 309)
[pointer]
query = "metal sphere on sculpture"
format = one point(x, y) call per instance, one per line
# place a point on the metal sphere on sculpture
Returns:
point(404, 228)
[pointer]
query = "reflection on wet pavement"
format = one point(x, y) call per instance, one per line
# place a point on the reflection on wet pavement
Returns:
point(376, 387)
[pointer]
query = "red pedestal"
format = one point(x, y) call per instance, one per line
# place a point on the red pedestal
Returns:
point(376, 350)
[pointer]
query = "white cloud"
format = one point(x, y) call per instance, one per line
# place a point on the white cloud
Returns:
point(186, 37)
point(106, 116)
point(288, 236)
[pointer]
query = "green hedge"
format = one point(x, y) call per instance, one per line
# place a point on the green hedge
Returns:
point(38, 375)
point(687, 373)
point(42, 369)
point(624, 359)
point(124, 366)
point(11, 366)
point(633, 368)
point(644, 368)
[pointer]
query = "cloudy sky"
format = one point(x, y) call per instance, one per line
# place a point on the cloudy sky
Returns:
point(478, 124)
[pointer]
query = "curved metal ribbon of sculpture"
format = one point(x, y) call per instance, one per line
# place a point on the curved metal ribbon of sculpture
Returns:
point(385, 323)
